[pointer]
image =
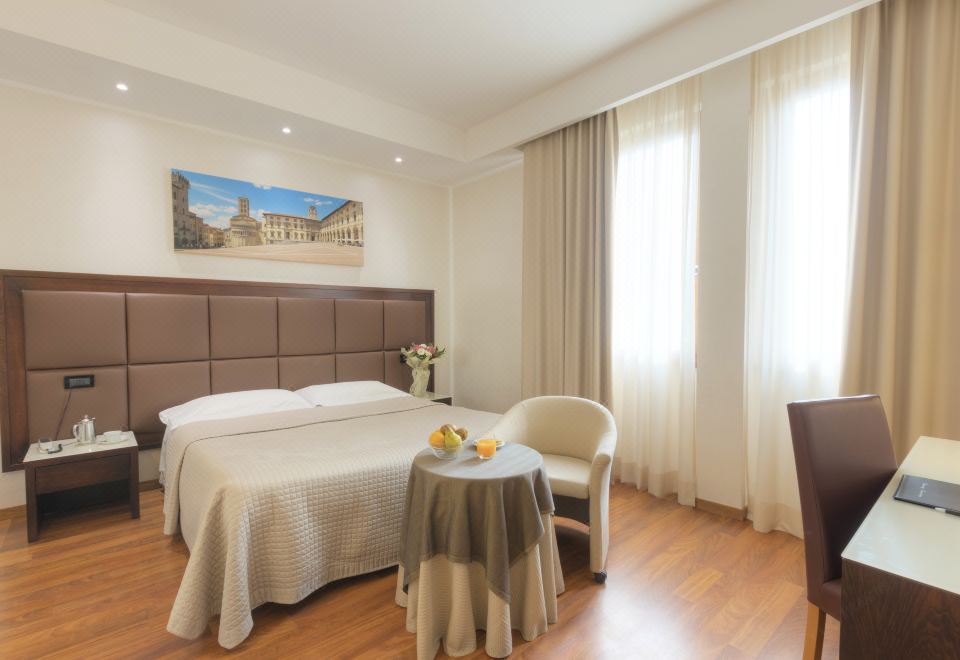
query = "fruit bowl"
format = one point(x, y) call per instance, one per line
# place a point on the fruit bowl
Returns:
point(447, 441)
point(447, 454)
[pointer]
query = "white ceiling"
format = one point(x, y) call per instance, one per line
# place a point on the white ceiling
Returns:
point(40, 65)
point(459, 62)
point(451, 86)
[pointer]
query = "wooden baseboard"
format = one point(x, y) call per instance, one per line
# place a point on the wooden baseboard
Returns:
point(14, 512)
point(151, 484)
point(722, 509)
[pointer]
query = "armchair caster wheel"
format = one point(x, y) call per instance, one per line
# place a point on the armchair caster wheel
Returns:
point(600, 577)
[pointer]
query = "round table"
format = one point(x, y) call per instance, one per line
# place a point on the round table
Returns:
point(478, 551)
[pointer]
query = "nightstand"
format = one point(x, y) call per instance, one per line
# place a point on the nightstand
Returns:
point(76, 472)
point(439, 398)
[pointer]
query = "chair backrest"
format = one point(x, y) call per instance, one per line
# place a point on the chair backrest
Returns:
point(562, 425)
point(844, 459)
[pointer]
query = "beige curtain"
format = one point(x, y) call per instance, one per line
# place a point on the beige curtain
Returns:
point(568, 181)
point(904, 327)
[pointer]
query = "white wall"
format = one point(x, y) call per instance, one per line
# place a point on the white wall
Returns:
point(87, 189)
point(487, 256)
point(724, 124)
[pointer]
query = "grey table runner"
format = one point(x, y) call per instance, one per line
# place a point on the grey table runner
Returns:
point(473, 510)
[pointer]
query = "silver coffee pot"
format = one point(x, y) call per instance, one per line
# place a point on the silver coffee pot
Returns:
point(84, 431)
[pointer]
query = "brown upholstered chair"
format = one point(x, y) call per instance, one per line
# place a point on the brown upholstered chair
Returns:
point(844, 460)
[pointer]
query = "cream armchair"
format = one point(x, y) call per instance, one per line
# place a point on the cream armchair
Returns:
point(577, 438)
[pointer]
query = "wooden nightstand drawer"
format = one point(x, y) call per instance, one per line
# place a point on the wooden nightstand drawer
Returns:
point(53, 478)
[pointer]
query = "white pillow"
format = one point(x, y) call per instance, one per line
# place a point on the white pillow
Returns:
point(232, 404)
point(342, 394)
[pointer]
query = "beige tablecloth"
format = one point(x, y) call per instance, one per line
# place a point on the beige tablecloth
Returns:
point(478, 551)
point(475, 511)
point(450, 601)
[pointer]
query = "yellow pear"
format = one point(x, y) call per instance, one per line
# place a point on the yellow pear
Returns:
point(451, 440)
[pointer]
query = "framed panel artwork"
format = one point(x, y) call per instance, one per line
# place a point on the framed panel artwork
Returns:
point(217, 216)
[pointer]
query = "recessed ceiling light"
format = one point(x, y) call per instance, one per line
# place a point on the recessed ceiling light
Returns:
point(286, 130)
point(122, 86)
point(398, 159)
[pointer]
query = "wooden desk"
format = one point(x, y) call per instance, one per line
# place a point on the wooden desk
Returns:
point(901, 570)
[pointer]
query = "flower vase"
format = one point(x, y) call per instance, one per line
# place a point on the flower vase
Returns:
point(421, 376)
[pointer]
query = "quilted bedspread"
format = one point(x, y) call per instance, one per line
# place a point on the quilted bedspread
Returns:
point(274, 506)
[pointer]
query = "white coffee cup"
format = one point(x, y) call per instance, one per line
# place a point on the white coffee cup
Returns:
point(48, 446)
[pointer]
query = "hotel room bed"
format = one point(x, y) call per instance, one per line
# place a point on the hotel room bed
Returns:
point(274, 506)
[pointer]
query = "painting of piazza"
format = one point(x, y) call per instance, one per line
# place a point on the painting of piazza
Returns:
point(214, 215)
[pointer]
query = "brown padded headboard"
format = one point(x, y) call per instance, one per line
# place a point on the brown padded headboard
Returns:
point(151, 343)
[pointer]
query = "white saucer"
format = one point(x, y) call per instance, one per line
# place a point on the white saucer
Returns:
point(112, 437)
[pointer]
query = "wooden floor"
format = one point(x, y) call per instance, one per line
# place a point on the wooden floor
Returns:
point(683, 584)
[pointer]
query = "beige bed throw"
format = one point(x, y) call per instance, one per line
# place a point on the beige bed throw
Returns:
point(275, 506)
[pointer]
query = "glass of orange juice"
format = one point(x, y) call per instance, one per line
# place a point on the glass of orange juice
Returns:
point(486, 448)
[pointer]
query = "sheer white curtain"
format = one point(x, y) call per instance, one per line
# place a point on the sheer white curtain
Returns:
point(654, 251)
point(798, 252)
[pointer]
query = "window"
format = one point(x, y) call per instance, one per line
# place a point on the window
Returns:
point(798, 252)
point(654, 248)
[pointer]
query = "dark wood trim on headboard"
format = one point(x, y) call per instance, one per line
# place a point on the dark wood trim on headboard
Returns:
point(13, 378)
